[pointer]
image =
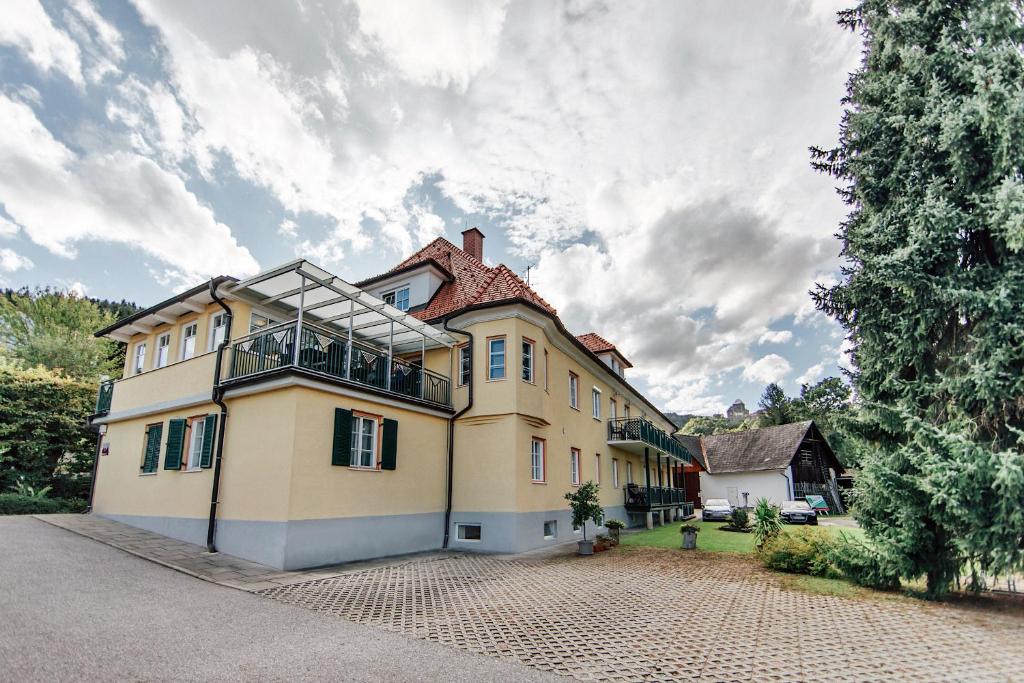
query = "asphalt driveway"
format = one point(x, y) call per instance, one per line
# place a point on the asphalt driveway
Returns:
point(74, 609)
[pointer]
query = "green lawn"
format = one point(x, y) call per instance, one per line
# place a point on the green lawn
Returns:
point(711, 538)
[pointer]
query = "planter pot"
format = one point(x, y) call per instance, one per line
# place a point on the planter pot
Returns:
point(585, 547)
point(614, 533)
point(689, 540)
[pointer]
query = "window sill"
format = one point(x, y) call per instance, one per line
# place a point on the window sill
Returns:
point(574, 407)
point(188, 470)
point(533, 481)
point(360, 468)
point(147, 474)
point(496, 379)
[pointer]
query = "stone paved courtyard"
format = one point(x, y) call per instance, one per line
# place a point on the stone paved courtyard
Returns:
point(646, 614)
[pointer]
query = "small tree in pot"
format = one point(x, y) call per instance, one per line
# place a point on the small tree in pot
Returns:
point(584, 505)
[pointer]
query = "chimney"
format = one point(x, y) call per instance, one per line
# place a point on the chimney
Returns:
point(473, 243)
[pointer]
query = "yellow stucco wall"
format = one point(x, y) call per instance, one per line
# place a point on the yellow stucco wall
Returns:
point(485, 457)
point(322, 490)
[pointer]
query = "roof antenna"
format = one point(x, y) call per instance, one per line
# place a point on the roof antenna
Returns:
point(529, 267)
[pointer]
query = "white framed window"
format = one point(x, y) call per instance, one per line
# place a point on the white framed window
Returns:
point(595, 403)
point(537, 469)
point(574, 390)
point(469, 532)
point(364, 442)
point(139, 362)
point(629, 472)
point(597, 469)
point(218, 326)
point(527, 361)
point(615, 473)
point(613, 409)
point(163, 350)
point(551, 529)
point(399, 298)
point(197, 432)
point(259, 321)
point(188, 340)
point(574, 466)
point(496, 358)
point(465, 365)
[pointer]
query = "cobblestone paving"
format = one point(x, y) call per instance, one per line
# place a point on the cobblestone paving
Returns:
point(646, 614)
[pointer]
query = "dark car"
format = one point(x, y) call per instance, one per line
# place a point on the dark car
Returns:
point(798, 512)
point(715, 508)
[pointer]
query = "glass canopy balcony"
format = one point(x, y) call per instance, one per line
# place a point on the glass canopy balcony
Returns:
point(337, 332)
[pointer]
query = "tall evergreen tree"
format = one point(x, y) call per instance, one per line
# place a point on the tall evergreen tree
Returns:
point(776, 407)
point(931, 157)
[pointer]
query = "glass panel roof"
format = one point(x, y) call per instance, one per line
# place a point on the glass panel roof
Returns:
point(329, 301)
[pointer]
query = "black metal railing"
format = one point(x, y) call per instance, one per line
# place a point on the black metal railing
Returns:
point(330, 353)
point(660, 496)
point(104, 396)
point(641, 429)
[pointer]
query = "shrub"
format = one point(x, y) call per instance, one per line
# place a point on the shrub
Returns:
point(739, 519)
point(17, 504)
point(767, 522)
point(807, 551)
point(863, 565)
point(614, 524)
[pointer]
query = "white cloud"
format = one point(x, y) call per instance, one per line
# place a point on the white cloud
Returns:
point(767, 369)
point(775, 337)
point(60, 199)
point(811, 375)
point(438, 43)
point(288, 228)
point(101, 42)
point(618, 144)
point(26, 26)
point(11, 261)
point(7, 228)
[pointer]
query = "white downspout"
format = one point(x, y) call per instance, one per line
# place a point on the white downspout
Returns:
point(789, 484)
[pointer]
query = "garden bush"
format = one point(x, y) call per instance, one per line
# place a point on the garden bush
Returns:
point(807, 551)
point(767, 522)
point(17, 504)
point(739, 519)
point(863, 565)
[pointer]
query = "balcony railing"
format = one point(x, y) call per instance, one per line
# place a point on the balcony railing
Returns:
point(660, 497)
point(329, 353)
point(643, 430)
point(104, 397)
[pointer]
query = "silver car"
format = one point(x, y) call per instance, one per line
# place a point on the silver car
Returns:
point(715, 508)
point(798, 512)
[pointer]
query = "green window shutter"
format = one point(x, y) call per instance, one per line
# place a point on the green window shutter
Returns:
point(209, 436)
point(389, 445)
point(152, 456)
point(341, 453)
point(175, 444)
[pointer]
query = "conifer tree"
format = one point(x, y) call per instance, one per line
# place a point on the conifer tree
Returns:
point(931, 159)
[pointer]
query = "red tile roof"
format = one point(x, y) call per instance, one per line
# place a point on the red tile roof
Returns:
point(595, 343)
point(473, 282)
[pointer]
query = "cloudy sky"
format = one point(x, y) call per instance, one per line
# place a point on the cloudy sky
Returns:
point(647, 162)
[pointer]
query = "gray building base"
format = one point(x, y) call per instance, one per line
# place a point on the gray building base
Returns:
point(300, 544)
point(304, 543)
point(515, 532)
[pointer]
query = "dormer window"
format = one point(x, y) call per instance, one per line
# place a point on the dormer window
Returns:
point(399, 298)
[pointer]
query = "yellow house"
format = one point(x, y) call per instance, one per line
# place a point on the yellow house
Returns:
point(298, 420)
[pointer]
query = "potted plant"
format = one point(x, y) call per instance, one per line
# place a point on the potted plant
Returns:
point(689, 532)
point(614, 526)
point(585, 507)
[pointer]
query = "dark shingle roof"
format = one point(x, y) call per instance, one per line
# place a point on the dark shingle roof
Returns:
point(752, 450)
point(692, 444)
